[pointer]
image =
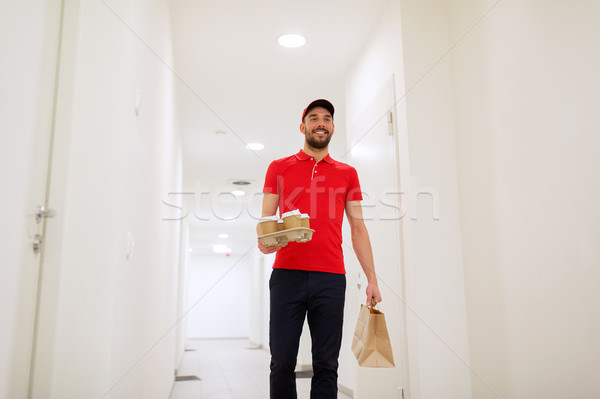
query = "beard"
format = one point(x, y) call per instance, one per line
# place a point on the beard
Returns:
point(317, 143)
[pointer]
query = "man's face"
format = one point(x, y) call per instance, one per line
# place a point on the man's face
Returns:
point(317, 127)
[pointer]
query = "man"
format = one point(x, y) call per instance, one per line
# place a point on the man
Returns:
point(308, 279)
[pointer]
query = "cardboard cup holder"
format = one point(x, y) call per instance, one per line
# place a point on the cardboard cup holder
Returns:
point(297, 234)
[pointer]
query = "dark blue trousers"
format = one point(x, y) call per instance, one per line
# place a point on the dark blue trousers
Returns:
point(296, 294)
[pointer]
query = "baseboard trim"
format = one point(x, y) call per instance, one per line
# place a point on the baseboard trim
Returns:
point(345, 390)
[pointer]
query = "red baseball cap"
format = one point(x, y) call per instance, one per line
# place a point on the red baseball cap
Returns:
point(319, 103)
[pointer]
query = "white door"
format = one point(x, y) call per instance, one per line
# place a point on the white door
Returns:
point(373, 152)
point(29, 37)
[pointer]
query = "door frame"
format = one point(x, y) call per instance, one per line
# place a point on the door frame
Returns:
point(44, 333)
point(407, 363)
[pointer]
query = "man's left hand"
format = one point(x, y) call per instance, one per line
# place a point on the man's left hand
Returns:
point(373, 294)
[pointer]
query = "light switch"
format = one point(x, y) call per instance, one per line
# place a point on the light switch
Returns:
point(130, 244)
point(138, 101)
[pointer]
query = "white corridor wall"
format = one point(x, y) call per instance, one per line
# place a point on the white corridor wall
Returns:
point(106, 321)
point(219, 296)
point(528, 133)
point(405, 46)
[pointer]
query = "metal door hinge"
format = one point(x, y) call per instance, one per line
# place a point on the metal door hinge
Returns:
point(390, 123)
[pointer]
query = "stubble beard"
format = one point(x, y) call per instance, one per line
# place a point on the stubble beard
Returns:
point(318, 144)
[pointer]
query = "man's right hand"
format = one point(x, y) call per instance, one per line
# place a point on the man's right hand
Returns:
point(267, 249)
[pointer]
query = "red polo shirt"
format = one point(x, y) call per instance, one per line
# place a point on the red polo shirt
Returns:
point(320, 189)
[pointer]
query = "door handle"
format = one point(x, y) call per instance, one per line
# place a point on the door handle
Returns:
point(41, 212)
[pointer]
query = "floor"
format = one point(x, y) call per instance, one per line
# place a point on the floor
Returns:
point(228, 369)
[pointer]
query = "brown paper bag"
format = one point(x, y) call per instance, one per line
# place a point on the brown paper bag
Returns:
point(371, 344)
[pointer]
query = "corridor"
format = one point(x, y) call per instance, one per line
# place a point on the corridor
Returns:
point(136, 136)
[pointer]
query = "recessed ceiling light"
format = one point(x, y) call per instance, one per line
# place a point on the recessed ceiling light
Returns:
point(255, 146)
point(291, 40)
point(223, 235)
point(238, 193)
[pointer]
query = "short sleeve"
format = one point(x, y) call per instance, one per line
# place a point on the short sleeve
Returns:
point(354, 192)
point(270, 186)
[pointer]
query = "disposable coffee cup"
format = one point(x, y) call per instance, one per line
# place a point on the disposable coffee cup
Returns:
point(305, 220)
point(292, 219)
point(268, 224)
point(280, 225)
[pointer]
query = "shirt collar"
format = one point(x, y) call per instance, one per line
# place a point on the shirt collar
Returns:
point(302, 156)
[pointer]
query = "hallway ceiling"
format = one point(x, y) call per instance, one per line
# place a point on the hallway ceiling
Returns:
point(235, 79)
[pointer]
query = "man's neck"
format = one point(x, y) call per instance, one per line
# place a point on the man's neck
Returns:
point(316, 153)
